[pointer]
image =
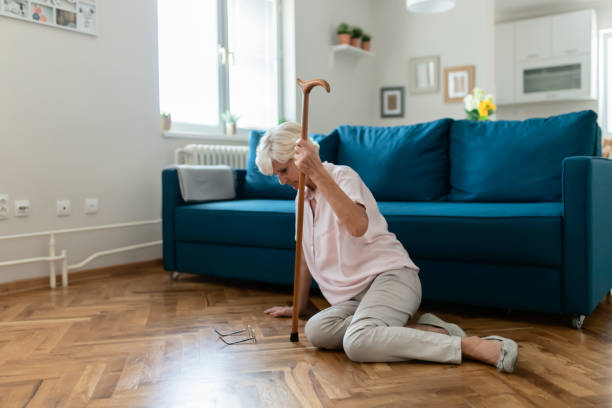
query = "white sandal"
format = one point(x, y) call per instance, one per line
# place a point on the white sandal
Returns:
point(508, 356)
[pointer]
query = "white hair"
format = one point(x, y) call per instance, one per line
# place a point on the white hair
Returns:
point(278, 145)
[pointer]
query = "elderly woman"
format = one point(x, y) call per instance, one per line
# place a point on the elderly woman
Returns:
point(363, 271)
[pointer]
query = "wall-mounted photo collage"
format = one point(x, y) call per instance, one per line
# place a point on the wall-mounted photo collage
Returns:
point(74, 15)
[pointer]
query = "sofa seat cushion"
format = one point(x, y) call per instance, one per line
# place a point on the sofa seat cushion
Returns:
point(515, 233)
point(517, 161)
point(254, 223)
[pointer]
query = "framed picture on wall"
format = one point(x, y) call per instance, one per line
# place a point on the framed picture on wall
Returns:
point(424, 75)
point(15, 8)
point(392, 102)
point(65, 18)
point(74, 15)
point(42, 13)
point(86, 18)
point(458, 82)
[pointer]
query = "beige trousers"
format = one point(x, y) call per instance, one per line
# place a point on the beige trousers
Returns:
point(370, 326)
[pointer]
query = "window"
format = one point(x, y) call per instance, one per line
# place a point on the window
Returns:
point(606, 82)
point(219, 55)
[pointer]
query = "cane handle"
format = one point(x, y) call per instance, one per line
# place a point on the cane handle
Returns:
point(308, 85)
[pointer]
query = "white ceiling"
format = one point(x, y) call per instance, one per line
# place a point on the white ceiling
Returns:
point(515, 9)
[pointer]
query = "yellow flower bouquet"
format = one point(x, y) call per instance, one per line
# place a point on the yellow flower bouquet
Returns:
point(478, 105)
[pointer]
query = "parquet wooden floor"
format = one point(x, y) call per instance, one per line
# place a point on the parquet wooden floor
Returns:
point(136, 339)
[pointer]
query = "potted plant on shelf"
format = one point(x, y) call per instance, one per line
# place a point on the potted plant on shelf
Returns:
point(344, 33)
point(356, 33)
point(366, 41)
point(230, 123)
point(166, 121)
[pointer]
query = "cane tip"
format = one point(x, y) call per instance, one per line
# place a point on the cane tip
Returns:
point(294, 337)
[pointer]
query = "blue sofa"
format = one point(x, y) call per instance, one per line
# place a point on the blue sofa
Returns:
point(509, 214)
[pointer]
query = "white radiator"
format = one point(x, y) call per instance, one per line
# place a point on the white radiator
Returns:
point(233, 156)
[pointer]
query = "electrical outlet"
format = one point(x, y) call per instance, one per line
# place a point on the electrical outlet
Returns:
point(22, 208)
point(63, 208)
point(4, 206)
point(91, 205)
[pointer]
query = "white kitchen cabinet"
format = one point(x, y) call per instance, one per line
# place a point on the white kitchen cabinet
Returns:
point(533, 38)
point(504, 63)
point(572, 33)
point(547, 58)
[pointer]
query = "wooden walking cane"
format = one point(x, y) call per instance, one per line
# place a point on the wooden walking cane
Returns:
point(306, 88)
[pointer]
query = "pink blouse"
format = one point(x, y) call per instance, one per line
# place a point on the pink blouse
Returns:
point(344, 265)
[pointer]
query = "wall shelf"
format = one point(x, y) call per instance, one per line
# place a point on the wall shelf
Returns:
point(349, 49)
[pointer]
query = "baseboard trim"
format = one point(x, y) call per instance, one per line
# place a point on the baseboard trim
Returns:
point(43, 282)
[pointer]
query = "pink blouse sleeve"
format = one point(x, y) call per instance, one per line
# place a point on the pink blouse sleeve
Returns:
point(349, 181)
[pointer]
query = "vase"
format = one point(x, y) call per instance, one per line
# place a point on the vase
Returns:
point(355, 42)
point(230, 128)
point(365, 45)
point(344, 38)
point(166, 122)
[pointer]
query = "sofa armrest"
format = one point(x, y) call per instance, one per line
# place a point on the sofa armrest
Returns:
point(171, 198)
point(587, 232)
point(240, 180)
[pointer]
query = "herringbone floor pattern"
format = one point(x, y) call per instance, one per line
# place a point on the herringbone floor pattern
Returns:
point(137, 339)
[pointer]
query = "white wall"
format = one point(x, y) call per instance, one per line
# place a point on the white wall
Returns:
point(544, 109)
point(80, 118)
point(350, 99)
point(462, 36)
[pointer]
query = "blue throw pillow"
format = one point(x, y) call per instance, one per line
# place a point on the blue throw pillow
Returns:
point(400, 163)
point(258, 185)
point(513, 161)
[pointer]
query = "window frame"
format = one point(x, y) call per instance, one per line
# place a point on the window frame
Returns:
point(193, 130)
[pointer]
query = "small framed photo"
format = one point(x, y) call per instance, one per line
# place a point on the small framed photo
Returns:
point(392, 102)
point(42, 14)
point(458, 82)
point(86, 18)
point(16, 8)
point(424, 75)
point(65, 18)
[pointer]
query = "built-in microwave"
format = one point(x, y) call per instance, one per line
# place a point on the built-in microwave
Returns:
point(563, 78)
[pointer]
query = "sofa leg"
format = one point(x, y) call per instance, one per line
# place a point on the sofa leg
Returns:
point(174, 275)
point(577, 320)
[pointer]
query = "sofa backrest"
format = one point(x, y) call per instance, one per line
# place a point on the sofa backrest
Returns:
point(497, 161)
point(400, 163)
point(258, 185)
point(513, 161)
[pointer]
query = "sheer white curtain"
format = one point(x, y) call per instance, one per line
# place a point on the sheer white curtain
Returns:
point(188, 74)
point(190, 34)
point(253, 72)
